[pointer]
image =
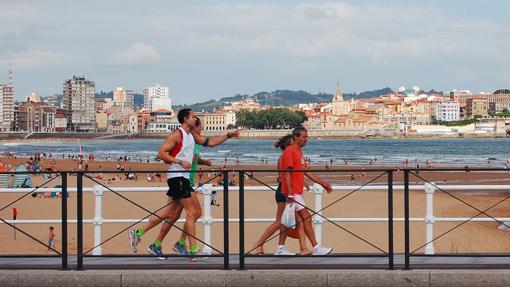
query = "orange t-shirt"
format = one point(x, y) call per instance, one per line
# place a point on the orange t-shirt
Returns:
point(292, 158)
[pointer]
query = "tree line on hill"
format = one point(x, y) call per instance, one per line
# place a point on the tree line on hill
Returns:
point(279, 118)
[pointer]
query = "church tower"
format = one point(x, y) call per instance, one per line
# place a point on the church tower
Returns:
point(338, 94)
point(339, 106)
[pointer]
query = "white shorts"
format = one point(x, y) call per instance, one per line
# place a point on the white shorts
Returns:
point(299, 201)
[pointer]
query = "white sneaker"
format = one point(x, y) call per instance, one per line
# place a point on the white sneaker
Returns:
point(280, 250)
point(319, 250)
point(202, 253)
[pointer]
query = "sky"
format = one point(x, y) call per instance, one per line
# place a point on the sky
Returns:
point(207, 50)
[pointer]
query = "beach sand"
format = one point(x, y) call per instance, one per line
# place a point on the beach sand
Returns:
point(469, 237)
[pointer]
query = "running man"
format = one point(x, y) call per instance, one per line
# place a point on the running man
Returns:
point(177, 151)
point(180, 245)
point(293, 184)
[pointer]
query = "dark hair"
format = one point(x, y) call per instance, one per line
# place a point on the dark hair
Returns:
point(197, 121)
point(51, 227)
point(283, 142)
point(183, 114)
point(297, 132)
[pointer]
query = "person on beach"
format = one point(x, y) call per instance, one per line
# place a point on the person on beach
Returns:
point(177, 151)
point(293, 185)
point(51, 239)
point(280, 199)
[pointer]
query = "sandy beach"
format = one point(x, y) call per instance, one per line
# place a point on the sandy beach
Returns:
point(470, 237)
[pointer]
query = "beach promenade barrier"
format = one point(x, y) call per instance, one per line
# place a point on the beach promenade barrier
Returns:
point(207, 220)
point(429, 188)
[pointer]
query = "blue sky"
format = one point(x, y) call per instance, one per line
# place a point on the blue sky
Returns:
point(213, 49)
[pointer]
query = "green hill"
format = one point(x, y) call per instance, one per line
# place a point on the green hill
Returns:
point(282, 98)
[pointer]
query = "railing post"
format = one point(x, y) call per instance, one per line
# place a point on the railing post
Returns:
point(98, 219)
point(407, 263)
point(207, 218)
point(241, 220)
point(226, 252)
point(429, 218)
point(63, 197)
point(317, 220)
point(79, 221)
point(390, 221)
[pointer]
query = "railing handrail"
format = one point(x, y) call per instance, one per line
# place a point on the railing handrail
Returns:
point(313, 169)
point(264, 188)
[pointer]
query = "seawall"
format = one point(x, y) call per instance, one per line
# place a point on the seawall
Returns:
point(284, 278)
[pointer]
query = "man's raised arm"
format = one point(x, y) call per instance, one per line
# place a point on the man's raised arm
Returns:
point(217, 140)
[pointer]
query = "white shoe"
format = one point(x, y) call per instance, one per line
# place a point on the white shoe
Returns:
point(319, 250)
point(280, 250)
point(133, 240)
point(202, 255)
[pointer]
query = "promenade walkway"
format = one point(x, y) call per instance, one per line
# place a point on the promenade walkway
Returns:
point(261, 262)
point(262, 271)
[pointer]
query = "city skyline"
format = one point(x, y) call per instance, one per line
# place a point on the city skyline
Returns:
point(219, 48)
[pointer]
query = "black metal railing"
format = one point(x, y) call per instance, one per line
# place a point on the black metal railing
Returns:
point(410, 253)
point(404, 260)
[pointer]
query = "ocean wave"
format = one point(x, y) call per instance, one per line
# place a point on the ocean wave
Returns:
point(13, 144)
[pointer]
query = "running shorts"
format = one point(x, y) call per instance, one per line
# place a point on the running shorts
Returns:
point(278, 196)
point(179, 188)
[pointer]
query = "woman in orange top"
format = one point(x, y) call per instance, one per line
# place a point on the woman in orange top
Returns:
point(280, 199)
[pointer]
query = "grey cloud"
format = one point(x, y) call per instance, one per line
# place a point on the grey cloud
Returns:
point(291, 39)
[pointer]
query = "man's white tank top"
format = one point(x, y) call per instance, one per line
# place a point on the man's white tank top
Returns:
point(182, 151)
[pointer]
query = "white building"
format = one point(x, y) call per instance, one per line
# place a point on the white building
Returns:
point(79, 104)
point(447, 112)
point(123, 98)
point(6, 107)
point(161, 103)
point(213, 121)
point(156, 91)
point(231, 119)
point(133, 124)
point(33, 97)
point(60, 124)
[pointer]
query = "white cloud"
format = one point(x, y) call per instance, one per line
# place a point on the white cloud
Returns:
point(33, 59)
point(139, 53)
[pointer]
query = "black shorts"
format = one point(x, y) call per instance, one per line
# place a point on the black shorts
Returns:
point(278, 196)
point(179, 188)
